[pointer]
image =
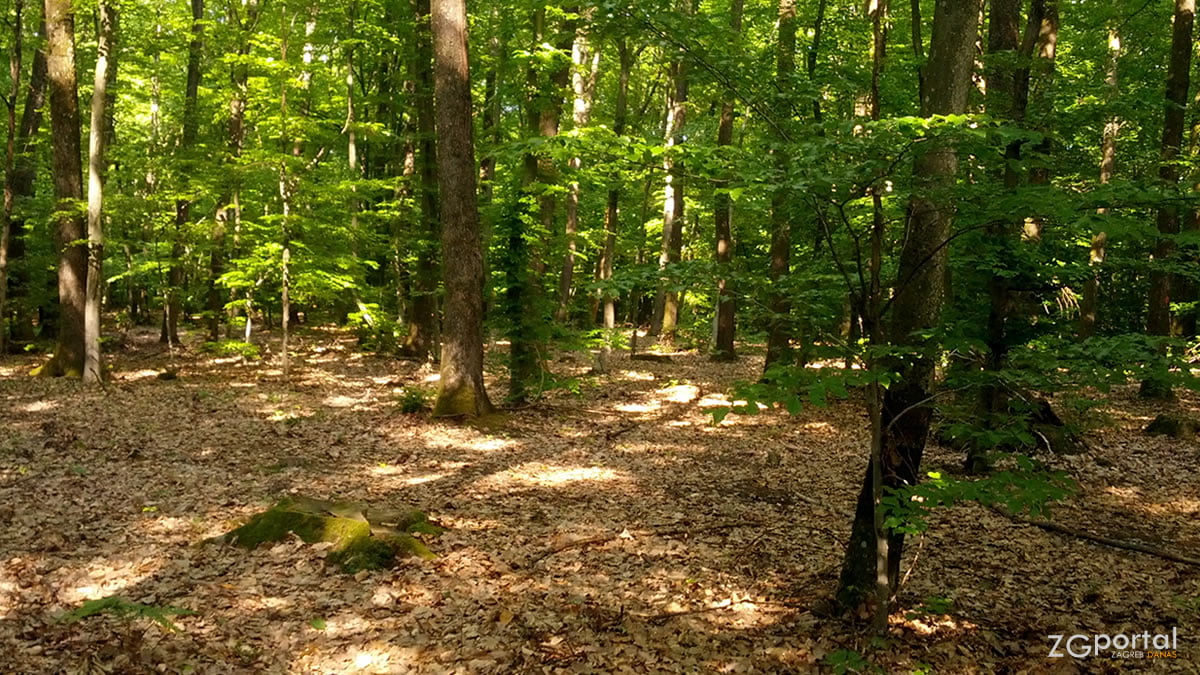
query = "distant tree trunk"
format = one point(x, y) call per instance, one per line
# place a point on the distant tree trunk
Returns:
point(14, 78)
point(461, 390)
point(491, 114)
point(612, 209)
point(779, 348)
point(422, 325)
point(1158, 316)
point(70, 230)
point(1090, 302)
point(917, 299)
point(583, 80)
point(723, 221)
point(666, 301)
point(183, 207)
point(19, 183)
point(93, 371)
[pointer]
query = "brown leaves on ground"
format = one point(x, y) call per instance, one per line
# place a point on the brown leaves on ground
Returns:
point(106, 492)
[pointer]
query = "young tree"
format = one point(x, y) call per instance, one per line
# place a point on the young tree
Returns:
point(917, 300)
point(14, 76)
point(586, 62)
point(779, 304)
point(1089, 303)
point(69, 230)
point(723, 219)
point(461, 390)
point(612, 208)
point(97, 138)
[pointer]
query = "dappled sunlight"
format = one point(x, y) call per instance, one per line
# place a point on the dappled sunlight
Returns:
point(682, 393)
point(104, 577)
point(38, 406)
point(545, 475)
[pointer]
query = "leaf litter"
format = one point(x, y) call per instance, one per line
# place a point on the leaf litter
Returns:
point(616, 530)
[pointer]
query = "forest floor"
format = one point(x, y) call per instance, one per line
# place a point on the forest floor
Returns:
point(719, 541)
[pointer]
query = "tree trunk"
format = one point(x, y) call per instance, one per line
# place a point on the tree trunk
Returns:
point(422, 325)
point(68, 189)
point(14, 78)
point(183, 206)
point(666, 301)
point(1090, 302)
point(1158, 316)
point(917, 299)
point(779, 347)
point(723, 219)
point(461, 390)
point(612, 209)
point(583, 80)
point(97, 137)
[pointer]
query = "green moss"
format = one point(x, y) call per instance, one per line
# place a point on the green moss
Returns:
point(378, 553)
point(288, 517)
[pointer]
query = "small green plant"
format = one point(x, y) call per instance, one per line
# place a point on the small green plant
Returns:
point(847, 661)
point(413, 400)
point(228, 348)
point(127, 611)
point(933, 605)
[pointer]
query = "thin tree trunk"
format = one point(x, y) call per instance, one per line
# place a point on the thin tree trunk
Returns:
point(612, 209)
point(583, 80)
point(1090, 302)
point(779, 348)
point(723, 220)
point(14, 78)
point(97, 137)
point(422, 326)
point(917, 299)
point(1158, 316)
point(70, 228)
point(461, 390)
point(183, 207)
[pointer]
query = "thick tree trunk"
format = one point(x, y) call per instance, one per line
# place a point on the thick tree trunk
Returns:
point(917, 299)
point(723, 222)
point(70, 230)
point(97, 137)
point(461, 390)
point(1158, 316)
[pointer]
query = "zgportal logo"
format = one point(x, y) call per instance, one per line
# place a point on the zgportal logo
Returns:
point(1120, 646)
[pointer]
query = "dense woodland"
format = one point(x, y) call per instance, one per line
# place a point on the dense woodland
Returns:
point(963, 227)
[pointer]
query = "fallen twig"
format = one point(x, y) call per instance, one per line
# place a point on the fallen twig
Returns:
point(668, 531)
point(1098, 539)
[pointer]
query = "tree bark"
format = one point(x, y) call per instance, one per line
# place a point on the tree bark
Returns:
point(723, 220)
point(461, 390)
point(918, 295)
point(70, 229)
point(14, 78)
point(421, 342)
point(93, 371)
point(612, 208)
point(779, 348)
point(1158, 315)
point(583, 80)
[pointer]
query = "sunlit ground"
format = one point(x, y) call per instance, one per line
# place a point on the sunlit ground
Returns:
point(617, 529)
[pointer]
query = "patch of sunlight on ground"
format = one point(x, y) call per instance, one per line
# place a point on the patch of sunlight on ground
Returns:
point(388, 470)
point(682, 393)
point(1178, 506)
point(166, 525)
point(638, 407)
point(545, 475)
point(38, 406)
point(342, 401)
point(433, 377)
point(639, 375)
point(103, 578)
point(1124, 492)
point(8, 597)
point(939, 625)
point(144, 374)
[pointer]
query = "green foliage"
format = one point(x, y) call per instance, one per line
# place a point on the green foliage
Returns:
point(845, 661)
point(225, 348)
point(127, 611)
point(414, 400)
point(1024, 488)
point(375, 330)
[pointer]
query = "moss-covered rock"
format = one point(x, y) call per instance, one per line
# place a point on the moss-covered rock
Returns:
point(362, 538)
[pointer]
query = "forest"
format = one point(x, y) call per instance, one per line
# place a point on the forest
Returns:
point(600, 336)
